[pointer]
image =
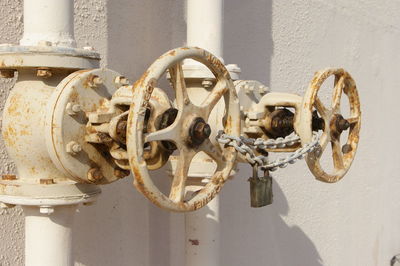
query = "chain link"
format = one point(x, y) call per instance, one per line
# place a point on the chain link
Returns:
point(246, 147)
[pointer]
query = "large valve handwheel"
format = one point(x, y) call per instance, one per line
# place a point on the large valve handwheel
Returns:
point(189, 132)
point(334, 124)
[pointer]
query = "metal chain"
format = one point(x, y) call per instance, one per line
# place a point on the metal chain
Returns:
point(246, 146)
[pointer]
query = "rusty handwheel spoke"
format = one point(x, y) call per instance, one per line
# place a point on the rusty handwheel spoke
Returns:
point(334, 124)
point(168, 133)
point(177, 192)
point(214, 152)
point(322, 110)
point(337, 154)
point(179, 84)
point(215, 95)
point(337, 93)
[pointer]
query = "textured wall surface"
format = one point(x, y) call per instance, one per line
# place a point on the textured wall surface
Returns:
point(282, 43)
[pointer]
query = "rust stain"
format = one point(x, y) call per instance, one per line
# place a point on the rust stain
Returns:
point(194, 242)
point(172, 53)
point(8, 177)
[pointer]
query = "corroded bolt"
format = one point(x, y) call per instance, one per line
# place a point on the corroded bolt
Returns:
point(346, 148)
point(46, 210)
point(94, 175)
point(207, 83)
point(46, 181)
point(120, 173)
point(73, 108)
point(121, 128)
point(8, 177)
point(73, 148)
point(94, 81)
point(202, 130)
point(343, 124)
point(44, 73)
point(121, 81)
point(7, 73)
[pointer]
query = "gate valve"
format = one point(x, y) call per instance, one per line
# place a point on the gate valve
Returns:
point(99, 128)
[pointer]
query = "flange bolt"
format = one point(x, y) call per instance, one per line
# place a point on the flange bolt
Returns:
point(94, 175)
point(73, 148)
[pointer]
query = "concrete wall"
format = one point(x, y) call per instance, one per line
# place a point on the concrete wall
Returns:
point(282, 43)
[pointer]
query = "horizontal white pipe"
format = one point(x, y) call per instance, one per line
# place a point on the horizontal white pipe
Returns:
point(48, 236)
point(48, 21)
point(204, 25)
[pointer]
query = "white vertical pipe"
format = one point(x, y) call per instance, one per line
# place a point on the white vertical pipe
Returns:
point(48, 237)
point(204, 29)
point(204, 25)
point(49, 21)
point(202, 236)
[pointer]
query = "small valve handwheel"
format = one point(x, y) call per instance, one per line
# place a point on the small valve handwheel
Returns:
point(333, 125)
point(189, 132)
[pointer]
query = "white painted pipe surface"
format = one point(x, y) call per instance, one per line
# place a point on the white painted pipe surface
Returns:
point(48, 237)
point(50, 21)
point(202, 236)
point(204, 25)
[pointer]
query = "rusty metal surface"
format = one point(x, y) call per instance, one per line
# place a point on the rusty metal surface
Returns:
point(178, 132)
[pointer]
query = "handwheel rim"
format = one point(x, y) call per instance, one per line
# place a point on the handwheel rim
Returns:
point(344, 84)
point(135, 139)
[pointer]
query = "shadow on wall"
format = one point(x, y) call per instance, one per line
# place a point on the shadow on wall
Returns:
point(256, 236)
point(248, 37)
point(122, 228)
point(261, 237)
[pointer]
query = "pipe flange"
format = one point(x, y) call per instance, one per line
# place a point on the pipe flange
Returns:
point(78, 96)
point(22, 57)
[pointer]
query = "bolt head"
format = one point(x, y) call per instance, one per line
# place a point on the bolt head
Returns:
point(346, 148)
point(73, 147)
point(7, 73)
point(44, 73)
point(94, 81)
point(207, 83)
point(8, 177)
point(121, 81)
point(94, 175)
point(46, 210)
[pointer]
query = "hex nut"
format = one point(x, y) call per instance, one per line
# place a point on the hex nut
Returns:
point(8, 177)
point(207, 83)
point(73, 108)
point(73, 147)
point(121, 81)
point(120, 173)
point(46, 210)
point(7, 73)
point(94, 81)
point(46, 181)
point(44, 73)
point(94, 175)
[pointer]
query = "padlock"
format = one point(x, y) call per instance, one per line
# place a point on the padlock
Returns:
point(260, 189)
